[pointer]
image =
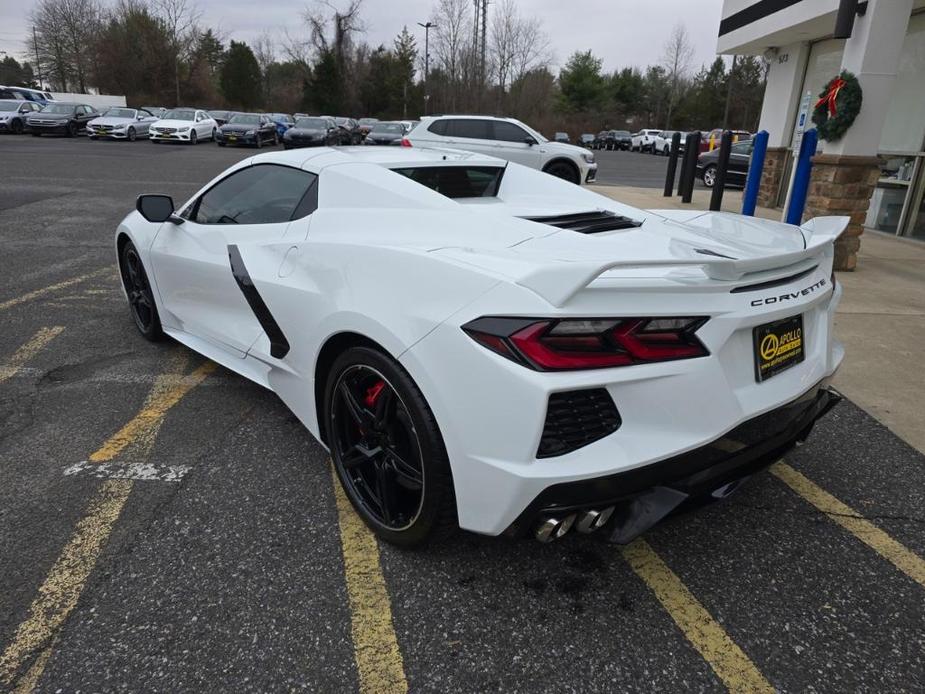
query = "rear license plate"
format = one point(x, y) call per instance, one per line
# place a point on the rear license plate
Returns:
point(778, 346)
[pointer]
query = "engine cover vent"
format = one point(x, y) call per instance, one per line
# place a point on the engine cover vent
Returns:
point(589, 222)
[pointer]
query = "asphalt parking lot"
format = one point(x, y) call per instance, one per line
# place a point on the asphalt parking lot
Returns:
point(165, 525)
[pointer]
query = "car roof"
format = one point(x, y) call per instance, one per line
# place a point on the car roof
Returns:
point(319, 158)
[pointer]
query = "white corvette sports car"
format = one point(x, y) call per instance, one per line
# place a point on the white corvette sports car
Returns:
point(483, 345)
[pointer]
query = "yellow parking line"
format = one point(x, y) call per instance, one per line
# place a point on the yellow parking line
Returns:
point(27, 351)
point(900, 556)
point(64, 583)
point(35, 294)
point(375, 644)
point(728, 661)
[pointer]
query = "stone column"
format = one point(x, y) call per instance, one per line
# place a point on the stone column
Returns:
point(842, 186)
point(844, 178)
point(772, 176)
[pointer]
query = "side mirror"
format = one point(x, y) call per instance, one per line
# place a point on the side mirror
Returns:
point(530, 141)
point(157, 208)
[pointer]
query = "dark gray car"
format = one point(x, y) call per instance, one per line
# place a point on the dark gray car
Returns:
point(313, 132)
point(61, 118)
point(385, 133)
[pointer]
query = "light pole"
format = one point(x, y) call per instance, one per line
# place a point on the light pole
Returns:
point(427, 27)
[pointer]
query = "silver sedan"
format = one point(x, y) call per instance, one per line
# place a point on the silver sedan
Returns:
point(121, 123)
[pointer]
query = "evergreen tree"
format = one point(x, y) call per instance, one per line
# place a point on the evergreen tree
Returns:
point(580, 82)
point(240, 77)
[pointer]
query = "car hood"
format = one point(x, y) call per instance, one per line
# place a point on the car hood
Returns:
point(564, 148)
point(112, 120)
point(51, 116)
point(238, 128)
point(305, 132)
point(173, 124)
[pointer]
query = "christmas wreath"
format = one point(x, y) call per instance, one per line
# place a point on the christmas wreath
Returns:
point(838, 106)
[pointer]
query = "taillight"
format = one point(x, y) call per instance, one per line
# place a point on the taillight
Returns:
point(405, 142)
point(550, 344)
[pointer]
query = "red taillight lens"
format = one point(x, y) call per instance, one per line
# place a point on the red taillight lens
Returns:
point(405, 142)
point(568, 344)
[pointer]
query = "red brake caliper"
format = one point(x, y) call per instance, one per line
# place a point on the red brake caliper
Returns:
point(372, 394)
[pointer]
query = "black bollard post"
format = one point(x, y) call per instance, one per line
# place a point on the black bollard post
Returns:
point(672, 163)
point(688, 143)
point(722, 166)
point(691, 152)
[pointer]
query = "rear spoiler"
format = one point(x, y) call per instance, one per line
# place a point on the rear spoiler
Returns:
point(559, 282)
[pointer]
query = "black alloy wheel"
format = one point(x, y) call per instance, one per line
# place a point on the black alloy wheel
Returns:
point(16, 126)
point(258, 142)
point(387, 450)
point(72, 129)
point(563, 170)
point(140, 298)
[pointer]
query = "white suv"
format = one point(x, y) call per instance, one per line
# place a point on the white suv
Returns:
point(644, 140)
point(505, 138)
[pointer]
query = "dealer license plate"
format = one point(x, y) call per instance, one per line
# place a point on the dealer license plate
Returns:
point(778, 346)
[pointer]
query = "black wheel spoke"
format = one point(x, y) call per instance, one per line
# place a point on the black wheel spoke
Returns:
point(359, 415)
point(384, 409)
point(404, 469)
point(385, 487)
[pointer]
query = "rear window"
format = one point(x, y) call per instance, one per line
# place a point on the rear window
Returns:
point(457, 181)
point(469, 128)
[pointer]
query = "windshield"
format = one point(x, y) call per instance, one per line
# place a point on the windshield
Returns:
point(180, 114)
point(245, 119)
point(281, 116)
point(312, 123)
point(119, 113)
point(387, 128)
point(9, 105)
point(621, 133)
point(58, 108)
point(457, 181)
point(219, 114)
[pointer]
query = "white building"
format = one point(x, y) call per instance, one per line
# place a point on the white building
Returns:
point(886, 51)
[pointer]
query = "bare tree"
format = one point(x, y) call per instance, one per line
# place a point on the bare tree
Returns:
point(66, 33)
point(452, 44)
point(181, 18)
point(518, 45)
point(676, 59)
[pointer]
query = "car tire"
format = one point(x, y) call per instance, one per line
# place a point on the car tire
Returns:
point(36, 134)
point(258, 143)
point(91, 137)
point(154, 141)
point(193, 137)
point(213, 134)
point(130, 134)
point(563, 170)
point(16, 127)
point(71, 129)
point(403, 491)
point(220, 144)
point(276, 139)
point(709, 176)
point(139, 293)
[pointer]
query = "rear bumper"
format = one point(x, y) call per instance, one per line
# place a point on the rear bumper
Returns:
point(645, 495)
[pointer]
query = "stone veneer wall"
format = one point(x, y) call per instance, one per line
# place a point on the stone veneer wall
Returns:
point(771, 176)
point(842, 186)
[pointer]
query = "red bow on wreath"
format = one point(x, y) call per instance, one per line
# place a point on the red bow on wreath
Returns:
point(834, 87)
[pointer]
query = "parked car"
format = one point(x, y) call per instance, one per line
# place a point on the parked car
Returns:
point(662, 142)
point(545, 386)
point(409, 125)
point(711, 139)
point(121, 124)
point(26, 94)
point(622, 139)
point(586, 140)
point(506, 138)
point(313, 131)
point(253, 129)
point(188, 125)
point(13, 114)
point(157, 111)
point(385, 133)
point(60, 118)
point(643, 140)
point(366, 124)
point(737, 170)
point(283, 122)
point(221, 117)
point(351, 129)
point(600, 140)
point(561, 137)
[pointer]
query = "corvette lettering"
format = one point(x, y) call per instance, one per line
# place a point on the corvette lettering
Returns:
point(791, 295)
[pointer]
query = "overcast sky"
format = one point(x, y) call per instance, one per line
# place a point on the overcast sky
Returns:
point(621, 32)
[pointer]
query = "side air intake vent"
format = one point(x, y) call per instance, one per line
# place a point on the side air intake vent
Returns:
point(589, 222)
point(575, 419)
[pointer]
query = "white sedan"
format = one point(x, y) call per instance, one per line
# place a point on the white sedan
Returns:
point(188, 125)
point(482, 345)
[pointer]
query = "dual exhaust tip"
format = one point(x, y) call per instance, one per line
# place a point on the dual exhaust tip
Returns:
point(553, 527)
